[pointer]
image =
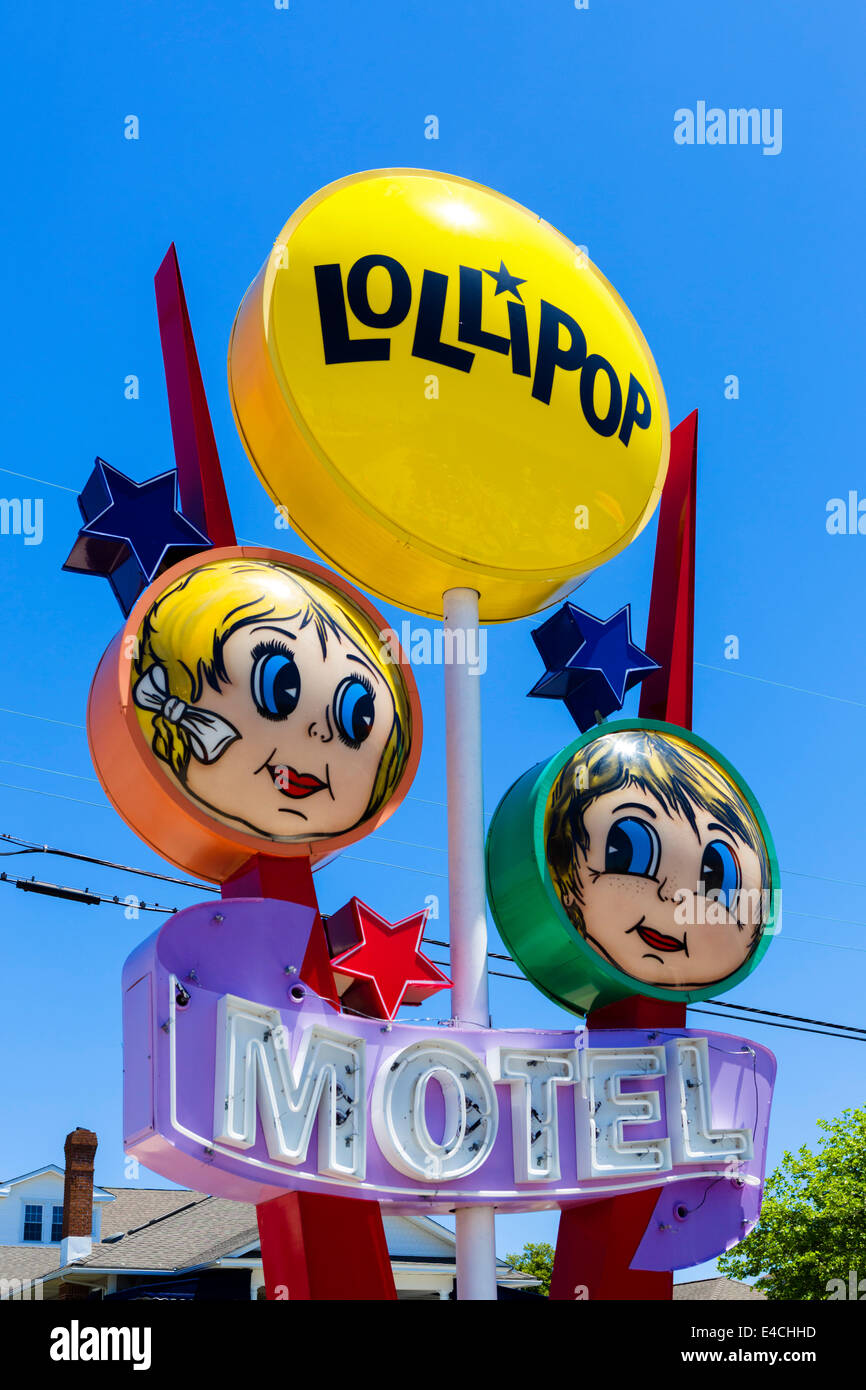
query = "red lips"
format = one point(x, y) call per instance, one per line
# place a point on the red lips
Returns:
point(657, 940)
point(295, 784)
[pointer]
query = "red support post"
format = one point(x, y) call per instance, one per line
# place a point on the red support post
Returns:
point(595, 1247)
point(199, 475)
point(667, 693)
point(597, 1243)
point(312, 1246)
point(290, 880)
point(324, 1248)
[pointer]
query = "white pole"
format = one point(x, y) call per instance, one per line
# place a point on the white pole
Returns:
point(476, 1249)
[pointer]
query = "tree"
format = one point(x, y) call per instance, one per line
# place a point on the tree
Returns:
point(536, 1260)
point(812, 1229)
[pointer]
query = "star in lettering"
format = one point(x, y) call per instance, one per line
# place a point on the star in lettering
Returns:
point(591, 662)
point(385, 967)
point(131, 530)
point(505, 282)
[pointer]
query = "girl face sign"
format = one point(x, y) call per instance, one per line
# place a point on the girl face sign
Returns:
point(658, 860)
point(267, 699)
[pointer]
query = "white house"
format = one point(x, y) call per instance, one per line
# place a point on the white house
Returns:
point(31, 1208)
point(174, 1243)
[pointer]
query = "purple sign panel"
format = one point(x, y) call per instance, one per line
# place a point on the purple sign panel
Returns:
point(240, 1081)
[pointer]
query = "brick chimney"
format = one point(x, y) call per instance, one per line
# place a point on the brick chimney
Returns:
point(76, 1241)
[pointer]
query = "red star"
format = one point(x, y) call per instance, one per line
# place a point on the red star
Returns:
point(386, 968)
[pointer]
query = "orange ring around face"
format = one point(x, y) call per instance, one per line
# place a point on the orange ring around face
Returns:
point(148, 795)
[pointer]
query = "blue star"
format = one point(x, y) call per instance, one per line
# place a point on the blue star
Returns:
point(131, 530)
point(591, 662)
point(506, 282)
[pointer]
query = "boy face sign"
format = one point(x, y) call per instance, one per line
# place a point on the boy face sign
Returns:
point(658, 860)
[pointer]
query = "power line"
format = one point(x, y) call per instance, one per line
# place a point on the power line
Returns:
point(32, 847)
point(81, 895)
point(409, 844)
point(822, 878)
point(43, 482)
point(57, 796)
point(821, 917)
point(434, 849)
point(781, 685)
point(52, 771)
point(43, 718)
point(379, 863)
point(794, 1018)
point(491, 955)
point(790, 1027)
point(828, 945)
point(768, 1017)
point(383, 864)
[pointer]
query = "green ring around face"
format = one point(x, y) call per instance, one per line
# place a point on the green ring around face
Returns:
point(526, 908)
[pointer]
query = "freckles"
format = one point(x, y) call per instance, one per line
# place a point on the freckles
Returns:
point(619, 888)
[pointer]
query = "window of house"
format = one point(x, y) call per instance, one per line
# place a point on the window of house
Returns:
point(56, 1223)
point(32, 1222)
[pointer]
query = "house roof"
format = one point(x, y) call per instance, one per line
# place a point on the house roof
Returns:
point(188, 1232)
point(28, 1261)
point(718, 1289)
point(135, 1206)
point(194, 1229)
point(165, 1230)
point(100, 1194)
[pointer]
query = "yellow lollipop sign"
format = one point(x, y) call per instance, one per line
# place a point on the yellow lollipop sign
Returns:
point(445, 392)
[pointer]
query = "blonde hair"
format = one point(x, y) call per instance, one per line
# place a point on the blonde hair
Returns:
point(185, 631)
point(676, 773)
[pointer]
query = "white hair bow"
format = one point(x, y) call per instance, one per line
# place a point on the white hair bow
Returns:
point(209, 735)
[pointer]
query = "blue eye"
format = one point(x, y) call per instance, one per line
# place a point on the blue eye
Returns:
point(720, 873)
point(354, 710)
point(275, 681)
point(632, 848)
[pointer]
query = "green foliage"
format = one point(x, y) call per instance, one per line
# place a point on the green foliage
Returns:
point(536, 1260)
point(813, 1218)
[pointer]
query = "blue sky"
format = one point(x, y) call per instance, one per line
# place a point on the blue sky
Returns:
point(733, 262)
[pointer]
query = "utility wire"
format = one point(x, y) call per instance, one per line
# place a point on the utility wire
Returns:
point(790, 1027)
point(57, 796)
point(30, 846)
point(383, 864)
point(795, 1018)
point(781, 685)
point(492, 955)
point(43, 482)
point(81, 895)
point(43, 718)
point(380, 863)
point(768, 1017)
point(52, 771)
point(81, 777)
point(434, 849)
